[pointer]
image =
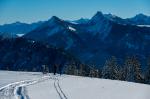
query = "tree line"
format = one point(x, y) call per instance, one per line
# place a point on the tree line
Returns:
point(130, 70)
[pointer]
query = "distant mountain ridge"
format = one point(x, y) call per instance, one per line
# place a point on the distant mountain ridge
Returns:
point(23, 28)
point(94, 40)
point(139, 19)
point(100, 37)
point(11, 30)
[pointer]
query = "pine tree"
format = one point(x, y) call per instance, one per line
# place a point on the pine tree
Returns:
point(132, 70)
point(71, 69)
point(82, 70)
point(97, 73)
point(110, 69)
point(137, 70)
point(128, 70)
point(91, 73)
point(147, 74)
point(122, 74)
point(94, 72)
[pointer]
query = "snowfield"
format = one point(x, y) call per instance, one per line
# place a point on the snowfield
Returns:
point(7, 77)
point(33, 85)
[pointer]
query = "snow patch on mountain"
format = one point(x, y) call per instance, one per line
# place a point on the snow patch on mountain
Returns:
point(71, 28)
point(20, 35)
point(143, 25)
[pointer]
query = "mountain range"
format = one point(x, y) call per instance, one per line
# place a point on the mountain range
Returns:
point(17, 28)
point(93, 40)
point(23, 28)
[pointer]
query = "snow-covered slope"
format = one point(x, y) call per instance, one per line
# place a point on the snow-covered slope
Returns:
point(11, 77)
point(69, 87)
point(93, 88)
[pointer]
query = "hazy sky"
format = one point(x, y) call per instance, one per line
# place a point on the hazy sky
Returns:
point(36, 10)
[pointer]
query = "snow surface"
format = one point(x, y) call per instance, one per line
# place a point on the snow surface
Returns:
point(27, 85)
point(92, 88)
point(7, 77)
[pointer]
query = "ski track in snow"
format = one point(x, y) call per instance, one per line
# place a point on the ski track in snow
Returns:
point(17, 90)
point(59, 90)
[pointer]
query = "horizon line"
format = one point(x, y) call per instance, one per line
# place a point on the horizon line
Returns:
point(25, 22)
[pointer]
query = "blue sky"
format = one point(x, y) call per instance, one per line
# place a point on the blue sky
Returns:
point(36, 10)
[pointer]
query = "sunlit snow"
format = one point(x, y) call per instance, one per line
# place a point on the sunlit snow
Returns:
point(32, 85)
point(71, 28)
